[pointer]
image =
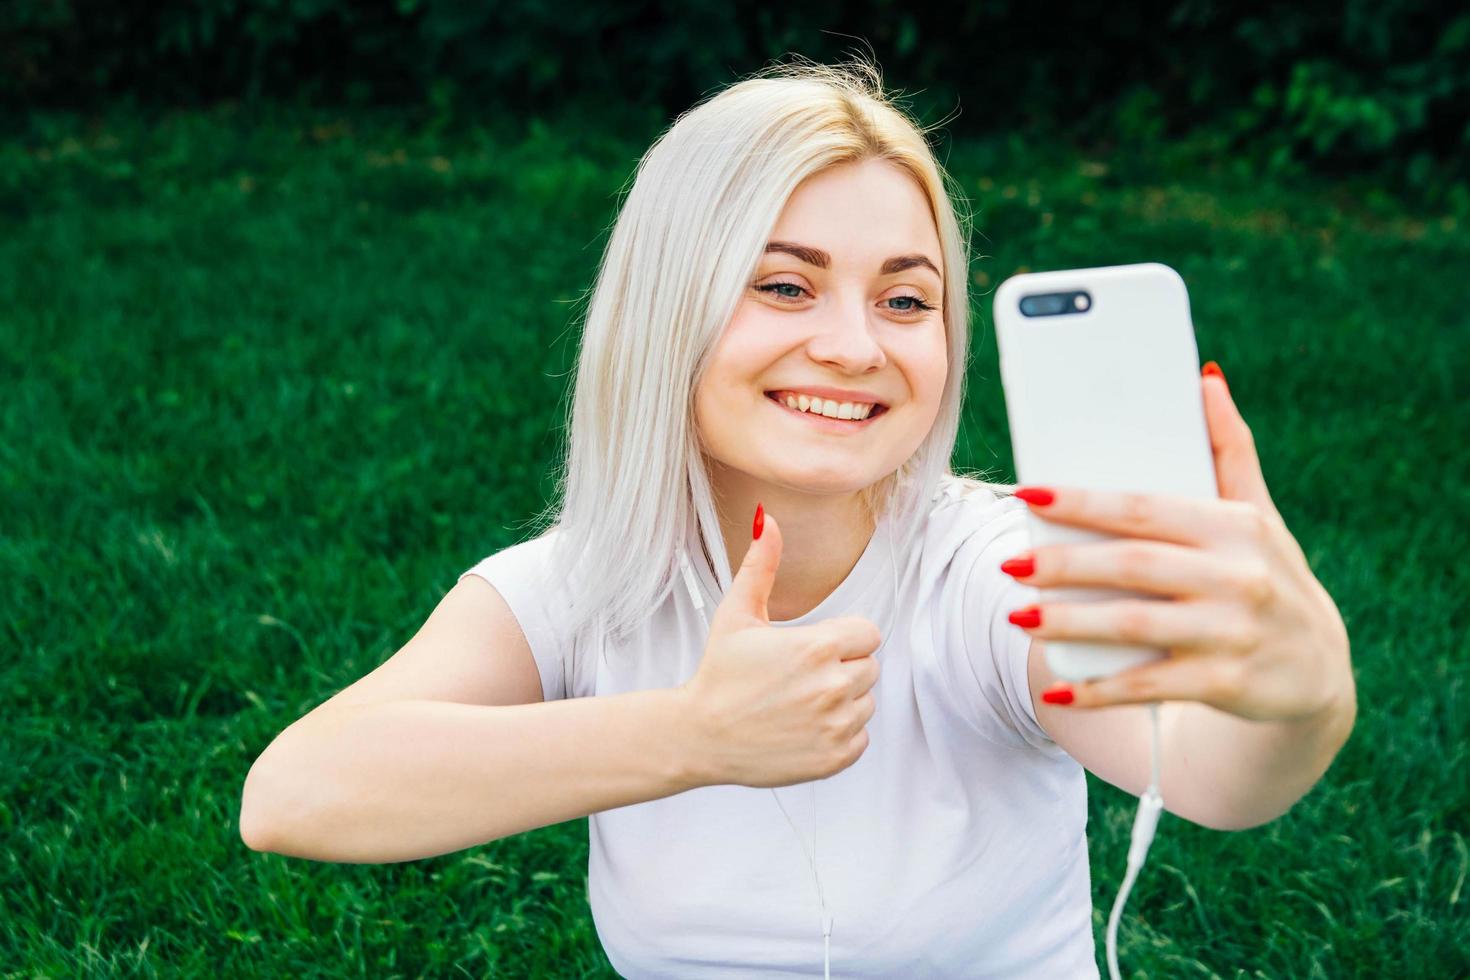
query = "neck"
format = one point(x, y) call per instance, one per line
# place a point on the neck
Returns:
point(823, 536)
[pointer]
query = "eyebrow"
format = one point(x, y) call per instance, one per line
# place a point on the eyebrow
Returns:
point(820, 259)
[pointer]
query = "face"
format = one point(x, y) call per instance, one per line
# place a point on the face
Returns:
point(846, 305)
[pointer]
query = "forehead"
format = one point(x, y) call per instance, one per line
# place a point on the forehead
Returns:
point(860, 213)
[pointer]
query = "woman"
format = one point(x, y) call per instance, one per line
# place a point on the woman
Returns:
point(789, 249)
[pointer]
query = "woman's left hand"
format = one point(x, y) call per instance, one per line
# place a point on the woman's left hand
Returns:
point(1247, 626)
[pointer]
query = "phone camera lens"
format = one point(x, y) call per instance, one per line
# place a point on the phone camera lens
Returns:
point(1041, 305)
point(1055, 304)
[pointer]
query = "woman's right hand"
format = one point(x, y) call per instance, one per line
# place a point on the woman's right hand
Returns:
point(777, 705)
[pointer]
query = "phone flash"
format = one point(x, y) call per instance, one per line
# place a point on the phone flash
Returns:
point(1080, 301)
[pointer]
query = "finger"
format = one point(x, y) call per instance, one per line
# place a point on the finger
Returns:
point(1217, 681)
point(852, 637)
point(1185, 626)
point(1238, 473)
point(1159, 516)
point(1145, 566)
point(842, 639)
point(747, 600)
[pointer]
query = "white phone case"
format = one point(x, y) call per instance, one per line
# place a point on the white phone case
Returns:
point(1106, 398)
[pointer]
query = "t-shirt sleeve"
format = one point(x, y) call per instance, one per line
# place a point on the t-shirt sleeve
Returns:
point(996, 650)
point(518, 574)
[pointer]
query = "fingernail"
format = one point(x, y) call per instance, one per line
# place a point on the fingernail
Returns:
point(1019, 567)
point(1212, 368)
point(1061, 694)
point(760, 522)
point(1040, 496)
point(1029, 617)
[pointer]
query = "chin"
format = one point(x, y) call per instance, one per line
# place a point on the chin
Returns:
point(818, 480)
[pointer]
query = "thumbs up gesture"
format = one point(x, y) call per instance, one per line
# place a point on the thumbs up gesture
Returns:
point(772, 705)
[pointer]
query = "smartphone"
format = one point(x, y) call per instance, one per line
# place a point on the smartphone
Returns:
point(1102, 389)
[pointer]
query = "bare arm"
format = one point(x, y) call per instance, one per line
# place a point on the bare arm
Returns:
point(448, 745)
point(414, 779)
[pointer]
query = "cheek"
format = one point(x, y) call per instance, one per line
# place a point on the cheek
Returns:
point(710, 430)
point(747, 348)
point(723, 391)
point(754, 331)
point(925, 359)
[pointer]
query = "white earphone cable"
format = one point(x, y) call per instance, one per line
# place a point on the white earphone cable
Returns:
point(698, 600)
point(1149, 805)
point(811, 854)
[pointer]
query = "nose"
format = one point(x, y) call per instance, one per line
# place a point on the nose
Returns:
point(845, 339)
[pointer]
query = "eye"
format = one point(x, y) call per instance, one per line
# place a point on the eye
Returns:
point(774, 289)
point(919, 306)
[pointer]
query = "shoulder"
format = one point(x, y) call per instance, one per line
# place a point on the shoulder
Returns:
point(973, 530)
point(971, 516)
point(522, 556)
point(525, 575)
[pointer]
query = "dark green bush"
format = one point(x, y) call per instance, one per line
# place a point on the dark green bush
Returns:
point(1359, 87)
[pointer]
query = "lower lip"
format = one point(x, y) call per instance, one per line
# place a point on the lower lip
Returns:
point(830, 425)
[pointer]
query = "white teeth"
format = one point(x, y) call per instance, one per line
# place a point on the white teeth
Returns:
point(853, 411)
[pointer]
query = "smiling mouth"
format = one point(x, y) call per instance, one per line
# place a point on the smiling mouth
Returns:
point(855, 423)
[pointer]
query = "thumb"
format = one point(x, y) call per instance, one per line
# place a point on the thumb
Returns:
point(1237, 467)
point(750, 591)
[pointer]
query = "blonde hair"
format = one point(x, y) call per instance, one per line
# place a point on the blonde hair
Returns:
point(633, 486)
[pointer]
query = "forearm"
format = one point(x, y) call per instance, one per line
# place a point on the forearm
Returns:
point(1251, 772)
point(414, 779)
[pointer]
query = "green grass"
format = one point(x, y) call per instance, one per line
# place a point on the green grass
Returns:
point(271, 383)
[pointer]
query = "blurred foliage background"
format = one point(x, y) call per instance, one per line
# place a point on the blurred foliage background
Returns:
point(1354, 85)
point(288, 304)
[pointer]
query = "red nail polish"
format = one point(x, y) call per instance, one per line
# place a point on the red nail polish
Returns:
point(1212, 368)
point(1029, 617)
point(760, 523)
point(1058, 695)
point(1040, 496)
point(1019, 567)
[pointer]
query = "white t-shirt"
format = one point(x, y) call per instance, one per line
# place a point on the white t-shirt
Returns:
point(954, 847)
